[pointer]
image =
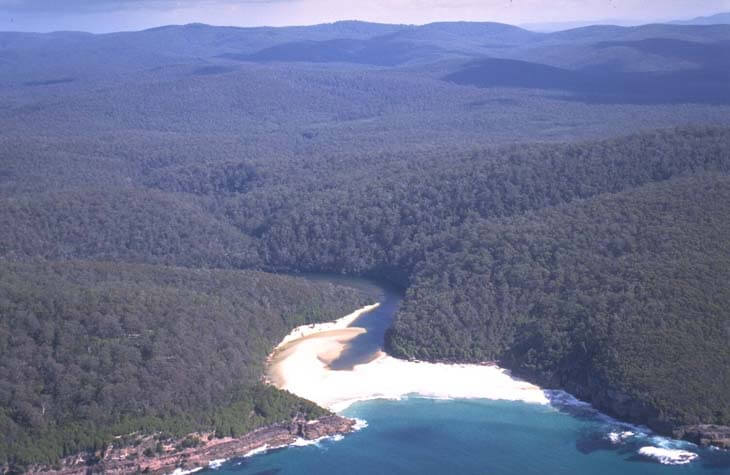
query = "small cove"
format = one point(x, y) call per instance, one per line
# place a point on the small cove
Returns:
point(422, 436)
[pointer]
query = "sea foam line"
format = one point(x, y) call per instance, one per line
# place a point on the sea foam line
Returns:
point(668, 456)
point(215, 464)
point(180, 471)
point(303, 370)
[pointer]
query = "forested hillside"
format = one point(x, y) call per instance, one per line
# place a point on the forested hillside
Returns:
point(571, 264)
point(622, 296)
point(574, 231)
point(91, 350)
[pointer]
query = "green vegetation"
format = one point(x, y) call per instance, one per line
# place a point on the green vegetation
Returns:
point(599, 267)
point(624, 294)
point(148, 177)
point(92, 350)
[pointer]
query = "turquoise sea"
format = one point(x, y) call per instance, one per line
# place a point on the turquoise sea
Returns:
point(423, 437)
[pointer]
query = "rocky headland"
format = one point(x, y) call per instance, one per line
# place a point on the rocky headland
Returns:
point(705, 435)
point(195, 451)
point(629, 408)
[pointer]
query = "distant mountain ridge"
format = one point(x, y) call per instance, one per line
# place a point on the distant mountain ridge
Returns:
point(471, 163)
point(72, 59)
point(717, 19)
point(205, 41)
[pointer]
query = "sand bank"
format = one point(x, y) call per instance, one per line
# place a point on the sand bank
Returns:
point(300, 365)
point(314, 328)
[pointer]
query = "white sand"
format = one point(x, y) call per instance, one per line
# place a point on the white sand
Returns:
point(300, 365)
point(340, 323)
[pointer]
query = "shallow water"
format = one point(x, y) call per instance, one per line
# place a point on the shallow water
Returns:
point(421, 436)
point(365, 346)
point(477, 436)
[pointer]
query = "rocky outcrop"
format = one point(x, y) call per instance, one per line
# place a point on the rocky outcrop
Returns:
point(625, 407)
point(628, 408)
point(324, 427)
point(153, 456)
point(705, 434)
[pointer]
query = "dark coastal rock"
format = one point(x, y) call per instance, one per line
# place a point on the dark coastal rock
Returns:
point(627, 407)
point(705, 435)
point(631, 409)
point(325, 426)
point(132, 459)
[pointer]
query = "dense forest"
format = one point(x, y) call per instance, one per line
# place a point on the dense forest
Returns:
point(587, 266)
point(576, 234)
point(624, 294)
point(92, 350)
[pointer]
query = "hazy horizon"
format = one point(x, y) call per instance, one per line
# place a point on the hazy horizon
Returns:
point(104, 16)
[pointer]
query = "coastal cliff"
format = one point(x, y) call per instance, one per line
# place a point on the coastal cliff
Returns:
point(632, 408)
point(627, 407)
point(195, 451)
point(706, 434)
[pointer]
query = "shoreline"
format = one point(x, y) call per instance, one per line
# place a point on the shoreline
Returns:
point(315, 328)
point(210, 453)
point(300, 365)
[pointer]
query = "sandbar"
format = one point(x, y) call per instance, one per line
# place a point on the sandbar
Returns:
point(300, 364)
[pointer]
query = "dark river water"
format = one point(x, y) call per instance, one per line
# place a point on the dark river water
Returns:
point(423, 437)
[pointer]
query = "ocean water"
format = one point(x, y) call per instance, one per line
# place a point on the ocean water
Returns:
point(422, 437)
point(457, 437)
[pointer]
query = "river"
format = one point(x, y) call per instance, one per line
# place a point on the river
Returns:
point(416, 435)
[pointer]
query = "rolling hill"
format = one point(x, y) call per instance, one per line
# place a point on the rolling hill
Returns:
point(717, 19)
point(552, 201)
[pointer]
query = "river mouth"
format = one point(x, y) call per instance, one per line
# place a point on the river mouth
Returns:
point(341, 363)
point(366, 346)
point(338, 363)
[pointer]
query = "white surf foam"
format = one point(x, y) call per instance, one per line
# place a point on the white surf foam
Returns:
point(304, 373)
point(300, 442)
point(619, 437)
point(302, 369)
point(180, 471)
point(259, 450)
point(303, 442)
point(360, 424)
point(214, 464)
point(668, 456)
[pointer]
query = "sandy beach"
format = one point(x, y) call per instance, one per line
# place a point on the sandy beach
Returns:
point(300, 364)
point(317, 328)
